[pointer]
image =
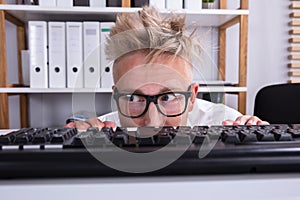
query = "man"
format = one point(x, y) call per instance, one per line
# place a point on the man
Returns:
point(153, 74)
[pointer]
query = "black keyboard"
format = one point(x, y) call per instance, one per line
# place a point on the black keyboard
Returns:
point(66, 152)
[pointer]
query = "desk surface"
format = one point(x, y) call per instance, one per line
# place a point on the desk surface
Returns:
point(246, 187)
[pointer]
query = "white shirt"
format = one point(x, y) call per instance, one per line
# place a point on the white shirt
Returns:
point(203, 113)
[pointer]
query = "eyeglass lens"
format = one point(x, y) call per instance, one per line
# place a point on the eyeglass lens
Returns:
point(168, 104)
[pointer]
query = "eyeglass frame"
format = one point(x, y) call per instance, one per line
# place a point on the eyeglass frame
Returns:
point(152, 98)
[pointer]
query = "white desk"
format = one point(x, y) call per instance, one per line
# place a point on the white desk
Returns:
point(233, 187)
point(241, 187)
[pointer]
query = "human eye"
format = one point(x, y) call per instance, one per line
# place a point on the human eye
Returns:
point(134, 98)
point(168, 97)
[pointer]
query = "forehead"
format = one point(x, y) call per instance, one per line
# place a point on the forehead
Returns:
point(134, 70)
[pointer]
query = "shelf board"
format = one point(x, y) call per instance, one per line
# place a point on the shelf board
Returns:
point(227, 89)
point(203, 17)
point(22, 90)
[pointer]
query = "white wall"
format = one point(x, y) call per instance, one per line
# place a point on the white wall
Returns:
point(267, 48)
point(267, 62)
point(268, 43)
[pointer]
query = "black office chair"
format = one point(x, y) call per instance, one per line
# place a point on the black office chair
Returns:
point(278, 104)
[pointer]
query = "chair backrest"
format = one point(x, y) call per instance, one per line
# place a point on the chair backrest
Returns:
point(278, 104)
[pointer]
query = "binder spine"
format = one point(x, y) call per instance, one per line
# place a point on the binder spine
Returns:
point(97, 3)
point(57, 55)
point(174, 4)
point(106, 65)
point(47, 3)
point(74, 55)
point(194, 5)
point(91, 52)
point(38, 54)
point(160, 4)
point(64, 3)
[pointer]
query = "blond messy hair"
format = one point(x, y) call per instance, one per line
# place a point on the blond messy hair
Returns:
point(146, 30)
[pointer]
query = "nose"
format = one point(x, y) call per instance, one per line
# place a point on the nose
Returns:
point(153, 117)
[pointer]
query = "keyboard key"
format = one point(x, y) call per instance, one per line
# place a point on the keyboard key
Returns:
point(62, 135)
point(10, 137)
point(163, 138)
point(295, 126)
point(282, 127)
point(167, 130)
point(83, 138)
point(101, 138)
point(281, 136)
point(43, 136)
point(25, 137)
point(183, 129)
point(120, 137)
point(264, 135)
point(181, 135)
point(214, 133)
point(247, 136)
point(182, 138)
point(230, 136)
point(294, 132)
point(108, 131)
point(145, 135)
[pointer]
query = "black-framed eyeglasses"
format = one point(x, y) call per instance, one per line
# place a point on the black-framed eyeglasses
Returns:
point(170, 104)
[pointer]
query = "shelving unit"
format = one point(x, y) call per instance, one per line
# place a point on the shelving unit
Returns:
point(294, 40)
point(4, 110)
point(229, 89)
point(20, 14)
point(204, 17)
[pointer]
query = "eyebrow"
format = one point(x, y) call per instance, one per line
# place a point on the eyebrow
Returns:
point(138, 91)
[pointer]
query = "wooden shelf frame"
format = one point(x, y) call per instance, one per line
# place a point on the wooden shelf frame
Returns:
point(294, 40)
point(21, 45)
point(222, 18)
point(243, 49)
point(208, 17)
